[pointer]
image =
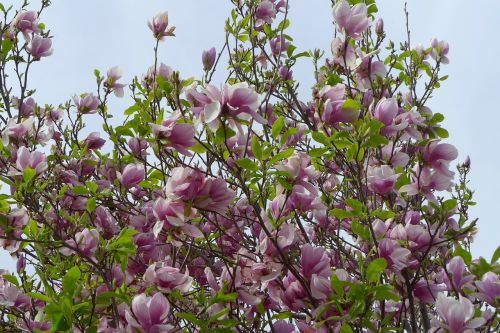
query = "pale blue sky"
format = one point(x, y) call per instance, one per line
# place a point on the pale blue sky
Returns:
point(99, 34)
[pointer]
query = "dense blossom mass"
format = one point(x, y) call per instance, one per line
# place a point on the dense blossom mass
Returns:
point(242, 205)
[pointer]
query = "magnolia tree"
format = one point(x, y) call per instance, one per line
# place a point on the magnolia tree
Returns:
point(240, 206)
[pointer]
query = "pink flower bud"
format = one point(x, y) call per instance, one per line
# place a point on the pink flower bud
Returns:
point(386, 110)
point(208, 58)
point(379, 27)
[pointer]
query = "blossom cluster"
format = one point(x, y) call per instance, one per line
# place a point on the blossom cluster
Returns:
point(241, 206)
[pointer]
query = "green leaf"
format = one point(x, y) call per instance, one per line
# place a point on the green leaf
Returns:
point(91, 204)
point(320, 138)
point(256, 148)
point(247, 164)
point(39, 296)
point(385, 292)
point(281, 156)
point(346, 328)
point(496, 255)
point(198, 148)
point(351, 104)
point(70, 280)
point(28, 174)
point(375, 269)
point(132, 110)
point(11, 278)
point(341, 214)
point(441, 132)
point(466, 256)
point(277, 126)
point(449, 205)
point(80, 190)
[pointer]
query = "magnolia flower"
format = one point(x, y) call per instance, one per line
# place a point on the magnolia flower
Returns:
point(159, 26)
point(343, 53)
point(215, 195)
point(94, 141)
point(440, 50)
point(138, 146)
point(381, 179)
point(367, 71)
point(177, 136)
point(132, 175)
point(489, 288)
point(87, 103)
point(351, 20)
point(386, 110)
point(113, 75)
point(168, 278)
point(34, 160)
point(86, 241)
point(40, 47)
point(459, 275)
point(149, 314)
point(334, 112)
point(27, 22)
point(265, 13)
point(278, 45)
point(17, 131)
point(236, 102)
point(314, 260)
point(457, 315)
point(185, 183)
point(208, 58)
point(396, 256)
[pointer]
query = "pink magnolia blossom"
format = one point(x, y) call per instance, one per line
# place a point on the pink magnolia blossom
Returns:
point(396, 256)
point(215, 195)
point(351, 20)
point(34, 160)
point(381, 179)
point(168, 278)
point(138, 146)
point(87, 103)
point(236, 102)
point(27, 23)
point(367, 72)
point(457, 315)
point(113, 75)
point(40, 47)
point(149, 314)
point(17, 131)
point(298, 167)
point(343, 54)
point(440, 50)
point(333, 111)
point(386, 110)
point(489, 289)
point(279, 45)
point(94, 141)
point(184, 183)
point(459, 275)
point(314, 260)
point(86, 241)
point(208, 58)
point(174, 135)
point(159, 26)
point(265, 13)
point(132, 175)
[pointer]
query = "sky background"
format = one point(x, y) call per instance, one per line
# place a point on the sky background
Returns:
point(100, 34)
